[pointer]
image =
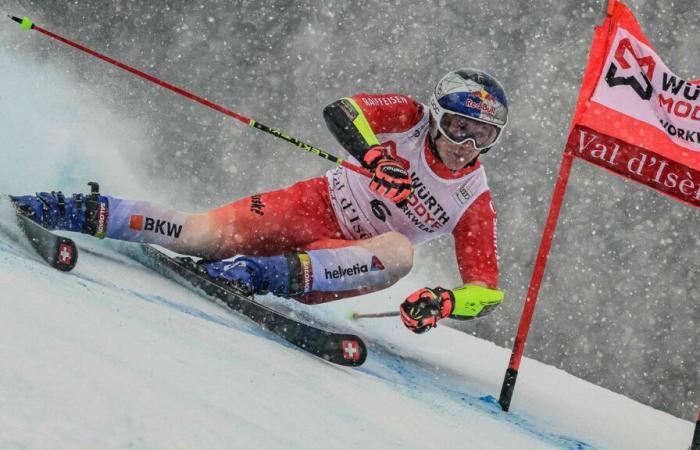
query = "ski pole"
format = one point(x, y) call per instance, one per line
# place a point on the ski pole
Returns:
point(356, 315)
point(27, 24)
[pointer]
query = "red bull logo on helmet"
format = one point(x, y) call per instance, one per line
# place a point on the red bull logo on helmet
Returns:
point(481, 105)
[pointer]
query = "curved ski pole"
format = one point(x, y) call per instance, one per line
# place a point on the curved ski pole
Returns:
point(27, 24)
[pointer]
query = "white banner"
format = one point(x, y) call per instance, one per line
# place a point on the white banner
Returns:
point(635, 82)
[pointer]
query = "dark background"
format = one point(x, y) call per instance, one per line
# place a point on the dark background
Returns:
point(619, 303)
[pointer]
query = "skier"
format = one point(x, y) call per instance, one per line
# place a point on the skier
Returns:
point(343, 235)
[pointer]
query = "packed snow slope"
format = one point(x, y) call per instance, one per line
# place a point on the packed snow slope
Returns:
point(112, 355)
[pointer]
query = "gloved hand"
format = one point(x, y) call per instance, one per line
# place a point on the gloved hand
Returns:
point(389, 179)
point(421, 310)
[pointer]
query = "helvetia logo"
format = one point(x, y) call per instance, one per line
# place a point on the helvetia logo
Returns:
point(376, 264)
point(342, 272)
point(138, 222)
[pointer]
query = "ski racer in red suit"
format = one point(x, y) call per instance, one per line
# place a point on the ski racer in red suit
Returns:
point(343, 235)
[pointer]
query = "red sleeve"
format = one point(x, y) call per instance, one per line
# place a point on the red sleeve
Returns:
point(389, 113)
point(475, 243)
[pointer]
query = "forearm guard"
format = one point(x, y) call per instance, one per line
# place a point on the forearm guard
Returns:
point(475, 301)
point(348, 124)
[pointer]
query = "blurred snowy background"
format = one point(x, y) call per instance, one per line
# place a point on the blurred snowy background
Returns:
point(619, 304)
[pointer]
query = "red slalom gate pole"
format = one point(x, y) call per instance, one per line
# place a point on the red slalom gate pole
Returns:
point(534, 289)
point(29, 25)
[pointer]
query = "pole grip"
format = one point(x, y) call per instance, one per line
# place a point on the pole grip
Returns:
point(696, 436)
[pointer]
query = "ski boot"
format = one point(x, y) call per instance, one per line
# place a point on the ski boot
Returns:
point(279, 275)
point(80, 213)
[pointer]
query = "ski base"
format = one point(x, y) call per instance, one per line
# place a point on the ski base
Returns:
point(338, 348)
point(59, 252)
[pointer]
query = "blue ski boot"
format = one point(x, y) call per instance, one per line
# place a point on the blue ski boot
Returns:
point(281, 275)
point(54, 211)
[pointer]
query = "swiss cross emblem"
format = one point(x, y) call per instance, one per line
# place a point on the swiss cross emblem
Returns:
point(351, 350)
point(65, 254)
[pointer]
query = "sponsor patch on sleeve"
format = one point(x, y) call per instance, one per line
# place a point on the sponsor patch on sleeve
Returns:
point(462, 195)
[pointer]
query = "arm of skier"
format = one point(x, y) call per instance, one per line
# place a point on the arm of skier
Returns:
point(477, 258)
point(355, 121)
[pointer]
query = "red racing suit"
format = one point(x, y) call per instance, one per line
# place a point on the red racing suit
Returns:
point(338, 209)
point(443, 201)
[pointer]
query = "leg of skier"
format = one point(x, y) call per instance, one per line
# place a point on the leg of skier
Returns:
point(391, 252)
point(291, 239)
point(326, 270)
point(293, 246)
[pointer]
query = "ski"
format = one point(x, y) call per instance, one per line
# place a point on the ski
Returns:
point(338, 348)
point(59, 252)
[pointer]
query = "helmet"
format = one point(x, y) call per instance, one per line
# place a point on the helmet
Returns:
point(468, 105)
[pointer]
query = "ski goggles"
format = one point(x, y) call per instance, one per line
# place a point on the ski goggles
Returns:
point(461, 129)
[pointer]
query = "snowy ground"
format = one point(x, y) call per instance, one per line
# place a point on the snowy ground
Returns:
point(113, 355)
